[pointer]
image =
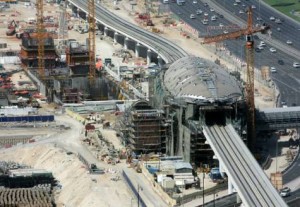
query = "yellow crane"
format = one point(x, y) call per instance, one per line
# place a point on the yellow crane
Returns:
point(92, 43)
point(40, 38)
point(249, 47)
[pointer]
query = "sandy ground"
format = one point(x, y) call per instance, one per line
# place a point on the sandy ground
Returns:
point(79, 187)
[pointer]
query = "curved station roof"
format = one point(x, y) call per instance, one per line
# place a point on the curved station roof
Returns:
point(197, 78)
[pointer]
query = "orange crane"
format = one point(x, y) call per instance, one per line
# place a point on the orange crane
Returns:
point(92, 43)
point(40, 38)
point(249, 46)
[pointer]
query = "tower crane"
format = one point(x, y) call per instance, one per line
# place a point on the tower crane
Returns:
point(92, 46)
point(40, 38)
point(249, 47)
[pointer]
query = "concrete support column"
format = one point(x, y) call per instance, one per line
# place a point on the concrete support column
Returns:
point(137, 50)
point(159, 61)
point(116, 37)
point(105, 31)
point(126, 43)
point(149, 54)
point(230, 186)
point(221, 168)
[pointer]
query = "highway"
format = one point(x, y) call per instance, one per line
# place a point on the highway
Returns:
point(169, 51)
point(287, 77)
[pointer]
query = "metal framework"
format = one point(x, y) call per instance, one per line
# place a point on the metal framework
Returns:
point(248, 32)
point(40, 38)
point(92, 46)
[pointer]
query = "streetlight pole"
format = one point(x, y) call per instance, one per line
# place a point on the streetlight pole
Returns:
point(276, 152)
point(138, 191)
point(215, 195)
point(203, 184)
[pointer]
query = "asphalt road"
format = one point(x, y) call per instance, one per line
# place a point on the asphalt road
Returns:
point(287, 77)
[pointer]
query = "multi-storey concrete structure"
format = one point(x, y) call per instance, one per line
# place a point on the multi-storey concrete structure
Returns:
point(195, 92)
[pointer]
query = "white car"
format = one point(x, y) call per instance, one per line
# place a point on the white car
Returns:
point(199, 11)
point(212, 9)
point(278, 21)
point(192, 16)
point(285, 192)
point(205, 14)
point(273, 50)
point(289, 42)
point(296, 65)
point(221, 25)
point(262, 43)
point(241, 12)
point(195, 2)
point(213, 18)
point(273, 69)
point(204, 21)
point(260, 47)
point(253, 7)
point(272, 18)
point(225, 32)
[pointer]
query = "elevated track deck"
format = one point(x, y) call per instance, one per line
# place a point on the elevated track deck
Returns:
point(250, 181)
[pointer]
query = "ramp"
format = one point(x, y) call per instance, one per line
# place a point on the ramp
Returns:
point(250, 181)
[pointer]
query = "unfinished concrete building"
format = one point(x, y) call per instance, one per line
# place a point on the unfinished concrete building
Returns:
point(144, 128)
point(77, 57)
point(29, 51)
point(195, 92)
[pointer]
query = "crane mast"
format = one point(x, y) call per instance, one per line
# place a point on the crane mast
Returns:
point(92, 46)
point(249, 48)
point(40, 38)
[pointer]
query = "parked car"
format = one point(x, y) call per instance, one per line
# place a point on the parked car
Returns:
point(289, 42)
point(192, 16)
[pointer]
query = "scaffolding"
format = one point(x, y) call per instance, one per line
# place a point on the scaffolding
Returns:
point(144, 129)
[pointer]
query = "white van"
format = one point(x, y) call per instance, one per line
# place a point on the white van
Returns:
point(165, 1)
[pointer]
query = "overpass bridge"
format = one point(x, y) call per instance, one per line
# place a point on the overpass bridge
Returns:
point(278, 118)
point(166, 50)
point(243, 171)
point(250, 181)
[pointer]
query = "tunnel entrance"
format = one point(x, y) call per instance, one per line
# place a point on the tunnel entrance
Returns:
point(215, 115)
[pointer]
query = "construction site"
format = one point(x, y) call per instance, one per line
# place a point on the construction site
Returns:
point(131, 110)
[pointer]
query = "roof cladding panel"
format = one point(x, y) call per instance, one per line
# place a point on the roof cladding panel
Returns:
point(197, 78)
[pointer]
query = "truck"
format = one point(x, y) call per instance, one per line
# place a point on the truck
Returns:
point(180, 2)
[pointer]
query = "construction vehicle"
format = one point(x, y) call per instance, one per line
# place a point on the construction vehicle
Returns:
point(11, 28)
point(149, 22)
point(249, 48)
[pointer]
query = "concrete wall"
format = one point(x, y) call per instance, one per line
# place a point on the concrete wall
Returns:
point(18, 111)
point(186, 144)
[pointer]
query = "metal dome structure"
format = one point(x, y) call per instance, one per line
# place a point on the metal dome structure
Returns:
point(196, 78)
